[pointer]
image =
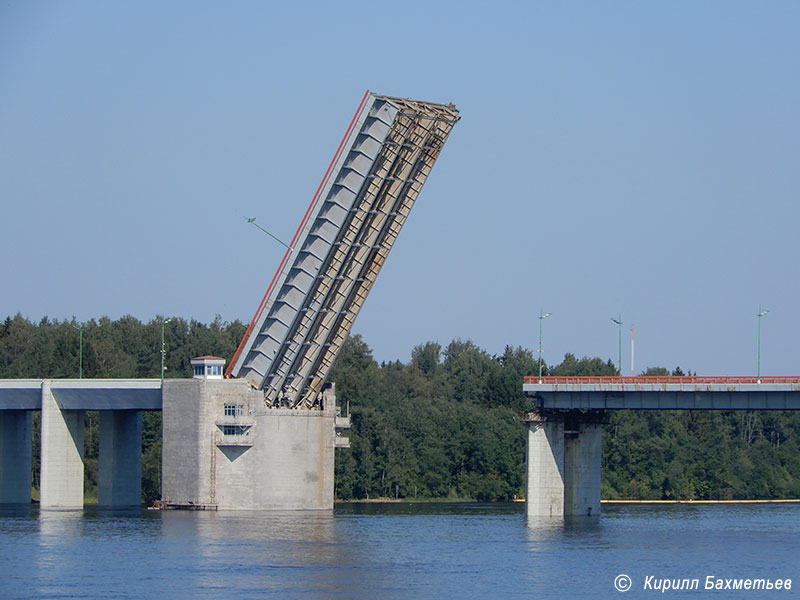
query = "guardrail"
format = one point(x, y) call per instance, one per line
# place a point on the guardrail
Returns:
point(677, 379)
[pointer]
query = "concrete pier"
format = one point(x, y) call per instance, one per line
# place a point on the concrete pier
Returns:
point(544, 496)
point(15, 456)
point(120, 461)
point(563, 454)
point(223, 449)
point(61, 479)
point(583, 447)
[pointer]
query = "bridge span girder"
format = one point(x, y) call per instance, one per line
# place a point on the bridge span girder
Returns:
point(341, 245)
point(664, 396)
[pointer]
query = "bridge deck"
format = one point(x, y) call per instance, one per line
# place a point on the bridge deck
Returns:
point(82, 394)
point(665, 393)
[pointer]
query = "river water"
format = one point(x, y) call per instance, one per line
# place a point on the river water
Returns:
point(394, 551)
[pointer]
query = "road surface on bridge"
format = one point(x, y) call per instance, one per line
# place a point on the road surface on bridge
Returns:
point(664, 393)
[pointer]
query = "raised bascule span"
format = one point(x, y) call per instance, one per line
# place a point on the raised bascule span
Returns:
point(343, 240)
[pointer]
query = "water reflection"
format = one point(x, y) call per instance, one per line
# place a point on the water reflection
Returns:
point(261, 551)
point(428, 508)
point(382, 551)
point(52, 564)
point(74, 542)
point(550, 524)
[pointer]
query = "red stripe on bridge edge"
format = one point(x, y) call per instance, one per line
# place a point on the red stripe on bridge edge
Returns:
point(678, 379)
point(311, 206)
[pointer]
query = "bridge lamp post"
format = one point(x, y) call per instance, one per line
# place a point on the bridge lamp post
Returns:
point(761, 313)
point(163, 346)
point(618, 321)
point(80, 349)
point(252, 221)
point(542, 317)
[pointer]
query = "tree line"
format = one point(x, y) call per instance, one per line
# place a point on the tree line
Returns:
point(445, 424)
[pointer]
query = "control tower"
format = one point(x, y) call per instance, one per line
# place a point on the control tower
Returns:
point(342, 242)
point(264, 438)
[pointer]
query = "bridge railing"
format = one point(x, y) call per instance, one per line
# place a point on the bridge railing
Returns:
point(666, 379)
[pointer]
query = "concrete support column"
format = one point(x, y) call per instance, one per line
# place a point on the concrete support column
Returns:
point(583, 446)
point(120, 468)
point(61, 479)
point(544, 495)
point(15, 456)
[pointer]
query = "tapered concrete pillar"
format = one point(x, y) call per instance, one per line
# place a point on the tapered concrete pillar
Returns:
point(120, 469)
point(544, 495)
point(15, 456)
point(583, 446)
point(563, 454)
point(61, 479)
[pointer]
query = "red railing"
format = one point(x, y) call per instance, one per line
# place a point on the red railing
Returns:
point(678, 379)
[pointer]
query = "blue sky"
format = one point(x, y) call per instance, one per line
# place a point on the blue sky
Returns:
point(613, 157)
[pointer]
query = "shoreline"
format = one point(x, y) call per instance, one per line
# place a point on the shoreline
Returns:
point(522, 500)
point(788, 501)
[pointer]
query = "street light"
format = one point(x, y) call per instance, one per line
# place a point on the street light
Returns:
point(761, 313)
point(252, 220)
point(542, 317)
point(163, 347)
point(80, 351)
point(619, 325)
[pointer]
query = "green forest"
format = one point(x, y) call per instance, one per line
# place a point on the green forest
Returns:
point(445, 425)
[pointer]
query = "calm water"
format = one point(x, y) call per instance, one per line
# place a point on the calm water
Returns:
point(391, 551)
